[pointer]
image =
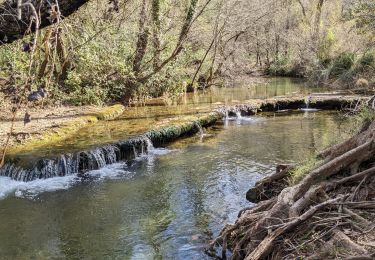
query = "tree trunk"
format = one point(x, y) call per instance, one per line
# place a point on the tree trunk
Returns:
point(142, 41)
point(11, 28)
point(318, 18)
point(179, 46)
point(156, 32)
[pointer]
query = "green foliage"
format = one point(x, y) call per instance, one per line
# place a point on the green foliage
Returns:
point(366, 62)
point(343, 63)
point(12, 60)
point(365, 116)
point(326, 47)
point(284, 66)
point(302, 170)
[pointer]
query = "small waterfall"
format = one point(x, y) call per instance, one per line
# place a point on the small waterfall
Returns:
point(238, 114)
point(63, 165)
point(146, 146)
point(83, 161)
point(149, 144)
point(200, 129)
point(226, 118)
point(307, 102)
point(135, 154)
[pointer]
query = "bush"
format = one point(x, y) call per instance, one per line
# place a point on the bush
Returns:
point(366, 62)
point(343, 63)
point(284, 67)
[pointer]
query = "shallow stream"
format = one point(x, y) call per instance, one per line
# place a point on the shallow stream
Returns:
point(164, 205)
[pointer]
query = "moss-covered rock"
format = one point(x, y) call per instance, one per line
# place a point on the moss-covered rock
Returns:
point(110, 112)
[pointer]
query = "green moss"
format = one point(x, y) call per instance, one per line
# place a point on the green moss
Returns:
point(302, 170)
point(110, 112)
point(184, 127)
point(66, 130)
point(343, 63)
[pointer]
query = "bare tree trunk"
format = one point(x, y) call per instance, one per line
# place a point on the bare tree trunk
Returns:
point(65, 61)
point(303, 8)
point(12, 28)
point(183, 35)
point(277, 46)
point(142, 41)
point(287, 28)
point(156, 28)
point(318, 18)
point(47, 53)
point(257, 49)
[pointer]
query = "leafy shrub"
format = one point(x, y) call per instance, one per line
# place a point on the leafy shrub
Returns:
point(366, 62)
point(286, 67)
point(326, 47)
point(343, 63)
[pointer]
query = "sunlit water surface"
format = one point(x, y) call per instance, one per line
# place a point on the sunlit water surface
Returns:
point(137, 120)
point(166, 205)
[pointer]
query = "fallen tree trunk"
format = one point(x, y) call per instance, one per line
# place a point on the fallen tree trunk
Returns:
point(15, 22)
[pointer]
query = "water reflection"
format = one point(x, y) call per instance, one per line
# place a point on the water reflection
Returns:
point(165, 206)
point(136, 120)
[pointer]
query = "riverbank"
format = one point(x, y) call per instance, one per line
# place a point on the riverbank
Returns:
point(169, 202)
point(49, 125)
point(321, 210)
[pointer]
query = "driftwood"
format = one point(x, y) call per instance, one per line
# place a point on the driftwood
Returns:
point(334, 202)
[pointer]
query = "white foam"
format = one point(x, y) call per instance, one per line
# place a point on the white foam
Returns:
point(309, 109)
point(111, 171)
point(152, 152)
point(250, 120)
point(34, 188)
point(160, 151)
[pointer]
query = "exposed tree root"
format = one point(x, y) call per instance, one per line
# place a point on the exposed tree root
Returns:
point(328, 215)
point(270, 186)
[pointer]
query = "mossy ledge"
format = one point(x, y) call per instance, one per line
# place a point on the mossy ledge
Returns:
point(67, 129)
point(282, 104)
point(98, 157)
point(110, 112)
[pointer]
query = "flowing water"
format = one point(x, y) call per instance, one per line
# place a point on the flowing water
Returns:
point(140, 119)
point(165, 204)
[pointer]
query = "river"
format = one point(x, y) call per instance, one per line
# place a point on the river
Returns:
point(167, 204)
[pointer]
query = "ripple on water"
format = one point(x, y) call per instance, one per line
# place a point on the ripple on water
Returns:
point(172, 205)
